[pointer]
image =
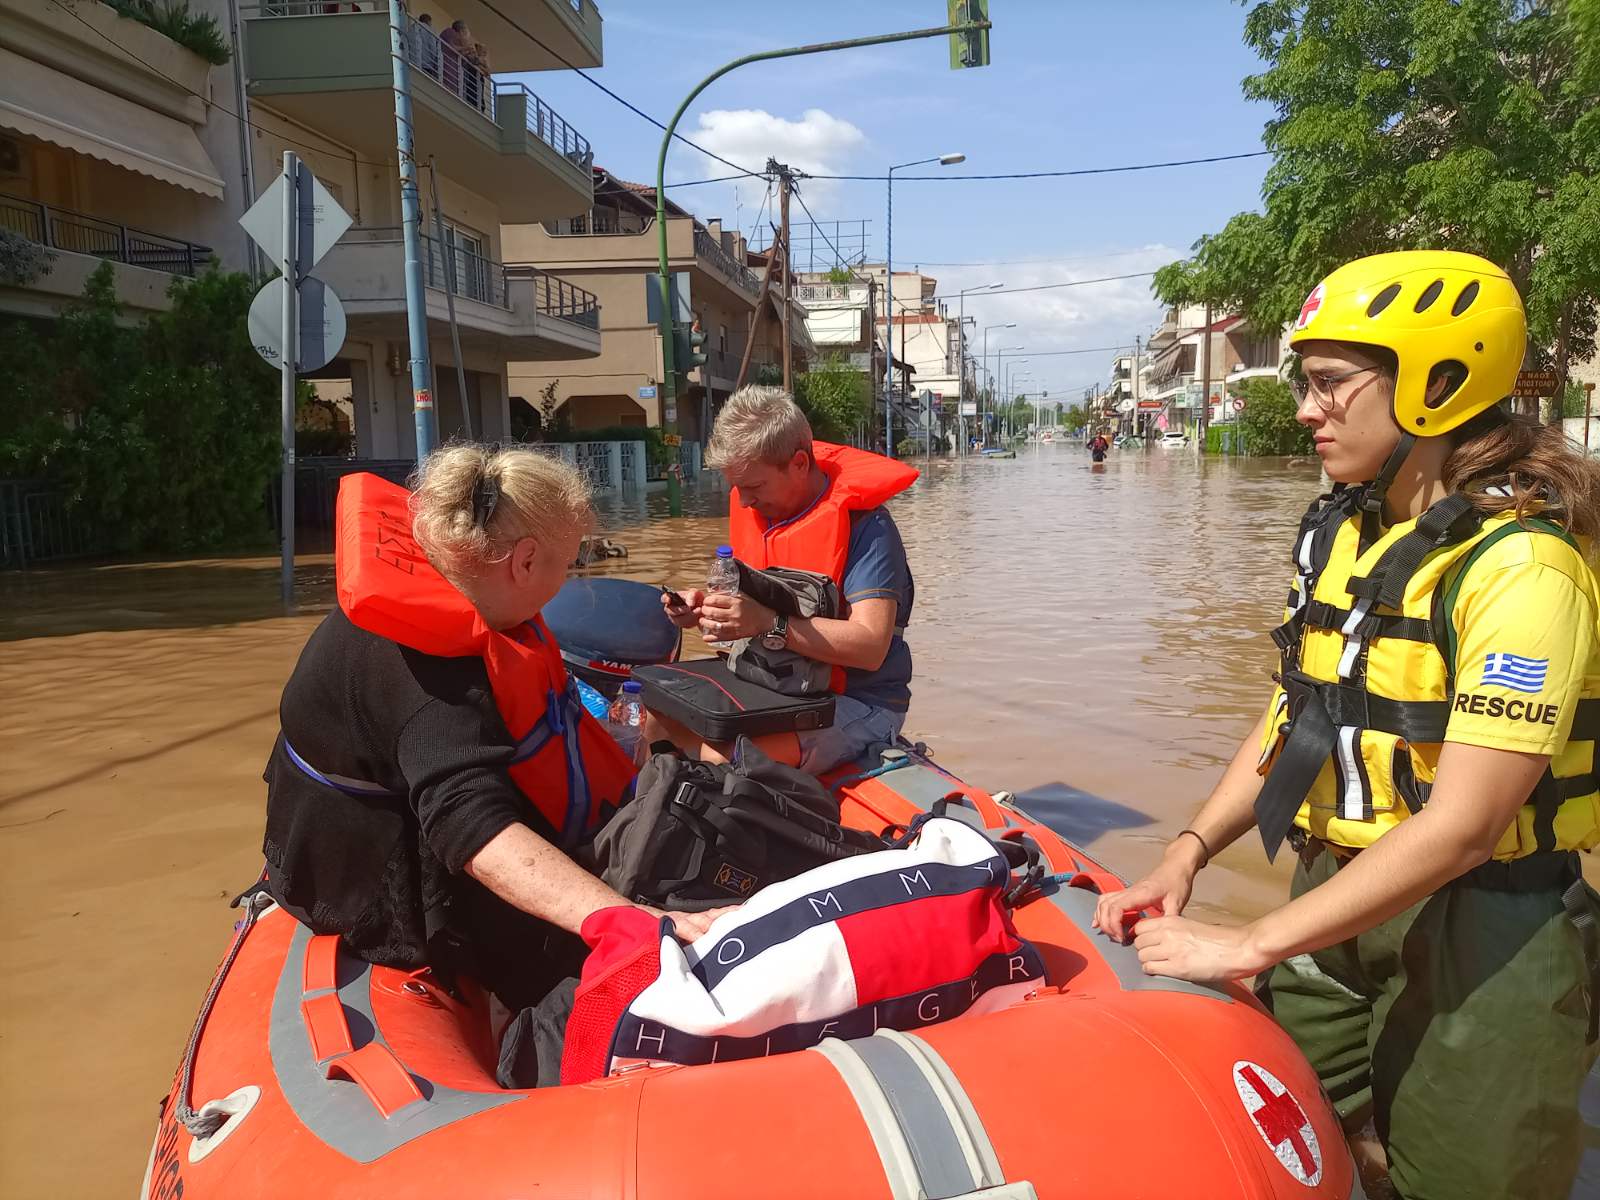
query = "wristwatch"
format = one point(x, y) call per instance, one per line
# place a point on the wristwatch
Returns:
point(778, 637)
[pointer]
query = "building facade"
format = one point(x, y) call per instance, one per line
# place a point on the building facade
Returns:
point(116, 143)
point(610, 249)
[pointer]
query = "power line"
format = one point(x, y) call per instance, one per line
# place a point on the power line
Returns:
point(627, 104)
point(1024, 262)
point(1151, 166)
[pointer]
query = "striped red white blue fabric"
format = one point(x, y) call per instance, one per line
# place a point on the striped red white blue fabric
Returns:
point(898, 939)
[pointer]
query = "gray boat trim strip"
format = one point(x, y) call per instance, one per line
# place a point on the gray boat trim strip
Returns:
point(927, 1133)
point(338, 1112)
point(1077, 905)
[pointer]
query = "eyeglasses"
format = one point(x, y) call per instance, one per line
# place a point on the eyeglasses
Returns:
point(1320, 387)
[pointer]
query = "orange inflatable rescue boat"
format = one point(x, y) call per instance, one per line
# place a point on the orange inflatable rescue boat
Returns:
point(315, 1074)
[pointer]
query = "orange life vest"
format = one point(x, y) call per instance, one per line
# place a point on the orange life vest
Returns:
point(566, 763)
point(818, 539)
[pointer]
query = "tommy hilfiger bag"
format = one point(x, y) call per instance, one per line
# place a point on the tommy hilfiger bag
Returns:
point(898, 939)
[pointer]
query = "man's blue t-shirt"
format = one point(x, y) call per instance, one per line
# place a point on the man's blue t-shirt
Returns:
point(876, 566)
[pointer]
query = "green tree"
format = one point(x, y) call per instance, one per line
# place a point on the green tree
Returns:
point(1458, 124)
point(1267, 425)
point(1074, 419)
point(835, 397)
point(162, 435)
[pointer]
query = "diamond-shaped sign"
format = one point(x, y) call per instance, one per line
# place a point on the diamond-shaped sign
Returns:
point(322, 221)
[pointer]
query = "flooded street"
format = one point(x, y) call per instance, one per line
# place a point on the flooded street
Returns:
point(1092, 640)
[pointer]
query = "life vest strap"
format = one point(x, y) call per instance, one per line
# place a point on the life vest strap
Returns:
point(1451, 520)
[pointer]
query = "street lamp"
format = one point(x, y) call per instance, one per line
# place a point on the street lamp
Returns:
point(961, 362)
point(1010, 392)
point(986, 328)
point(997, 378)
point(944, 160)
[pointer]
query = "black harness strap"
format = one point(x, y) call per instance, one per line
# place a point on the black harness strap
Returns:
point(1446, 523)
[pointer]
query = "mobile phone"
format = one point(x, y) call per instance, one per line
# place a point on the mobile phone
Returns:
point(673, 598)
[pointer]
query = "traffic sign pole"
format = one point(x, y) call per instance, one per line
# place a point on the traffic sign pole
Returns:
point(289, 265)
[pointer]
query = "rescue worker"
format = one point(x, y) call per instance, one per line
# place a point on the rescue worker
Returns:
point(434, 769)
point(814, 506)
point(1428, 750)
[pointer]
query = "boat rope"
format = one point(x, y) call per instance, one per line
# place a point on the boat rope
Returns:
point(893, 764)
point(204, 1124)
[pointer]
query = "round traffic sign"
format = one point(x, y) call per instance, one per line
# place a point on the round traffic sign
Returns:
point(1238, 404)
point(322, 324)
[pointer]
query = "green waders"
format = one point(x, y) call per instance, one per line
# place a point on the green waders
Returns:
point(1463, 1021)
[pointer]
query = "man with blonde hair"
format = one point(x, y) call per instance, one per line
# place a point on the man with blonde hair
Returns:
point(814, 506)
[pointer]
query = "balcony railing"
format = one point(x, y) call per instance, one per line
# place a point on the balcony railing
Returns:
point(486, 281)
point(708, 248)
point(62, 229)
point(555, 297)
point(548, 126)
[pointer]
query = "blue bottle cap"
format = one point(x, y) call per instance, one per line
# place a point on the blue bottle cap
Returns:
point(724, 551)
point(633, 687)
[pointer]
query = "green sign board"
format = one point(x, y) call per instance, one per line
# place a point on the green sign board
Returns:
point(970, 49)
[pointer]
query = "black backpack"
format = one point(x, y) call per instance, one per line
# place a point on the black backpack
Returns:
point(702, 835)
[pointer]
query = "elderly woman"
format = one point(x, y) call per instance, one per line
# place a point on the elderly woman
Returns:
point(434, 769)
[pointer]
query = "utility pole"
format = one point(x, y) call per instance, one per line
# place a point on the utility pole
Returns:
point(410, 219)
point(785, 184)
point(1205, 382)
point(1137, 416)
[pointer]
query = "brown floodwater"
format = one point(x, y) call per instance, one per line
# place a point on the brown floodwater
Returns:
point(1090, 639)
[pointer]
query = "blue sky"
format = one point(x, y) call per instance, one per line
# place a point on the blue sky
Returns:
point(1074, 83)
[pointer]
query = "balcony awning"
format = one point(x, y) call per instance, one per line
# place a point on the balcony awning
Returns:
point(834, 326)
point(44, 103)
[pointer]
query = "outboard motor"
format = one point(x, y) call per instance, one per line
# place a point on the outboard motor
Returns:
point(607, 627)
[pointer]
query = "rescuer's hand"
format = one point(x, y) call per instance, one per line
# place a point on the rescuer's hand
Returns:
point(1166, 889)
point(1200, 953)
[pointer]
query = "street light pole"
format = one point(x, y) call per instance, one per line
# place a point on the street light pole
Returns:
point(986, 328)
point(961, 363)
point(669, 382)
point(944, 160)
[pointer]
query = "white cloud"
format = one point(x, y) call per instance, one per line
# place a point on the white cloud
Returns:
point(818, 143)
point(1070, 318)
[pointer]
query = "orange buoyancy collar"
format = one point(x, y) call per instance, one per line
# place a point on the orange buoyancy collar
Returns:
point(818, 539)
point(566, 763)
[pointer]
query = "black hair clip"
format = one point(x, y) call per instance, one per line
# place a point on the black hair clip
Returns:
point(485, 499)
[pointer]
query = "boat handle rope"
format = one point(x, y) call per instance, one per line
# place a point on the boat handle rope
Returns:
point(204, 1124)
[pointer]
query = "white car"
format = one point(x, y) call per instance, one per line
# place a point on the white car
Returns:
point(1174, 437)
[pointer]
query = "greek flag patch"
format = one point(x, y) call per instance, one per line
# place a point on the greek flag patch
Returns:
point(1515, 672)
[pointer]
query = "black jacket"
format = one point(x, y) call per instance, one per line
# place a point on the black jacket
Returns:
point(386, 872)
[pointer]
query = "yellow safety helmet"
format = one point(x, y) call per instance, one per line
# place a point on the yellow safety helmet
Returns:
point(1431, 308)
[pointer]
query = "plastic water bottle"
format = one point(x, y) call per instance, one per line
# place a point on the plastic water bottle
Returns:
point(626, 719)
point(723, 579)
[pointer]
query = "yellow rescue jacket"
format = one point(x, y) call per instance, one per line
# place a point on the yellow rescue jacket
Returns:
point(1367, 682)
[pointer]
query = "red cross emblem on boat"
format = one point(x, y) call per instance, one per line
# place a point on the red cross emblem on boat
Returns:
point(1280, 1121)
point(1308, 310)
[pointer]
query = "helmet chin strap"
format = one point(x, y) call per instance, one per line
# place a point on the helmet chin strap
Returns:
point(1378, 489)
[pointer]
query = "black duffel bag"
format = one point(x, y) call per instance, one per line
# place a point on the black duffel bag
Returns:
point(702, 835)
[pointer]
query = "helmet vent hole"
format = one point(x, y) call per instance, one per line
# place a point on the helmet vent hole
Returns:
point(1454, 373)
point(1383, 299)
point(1478, 347)
point(1429, 295)
point(1465, 299)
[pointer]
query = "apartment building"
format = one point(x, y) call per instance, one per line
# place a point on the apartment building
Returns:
point(611, 250)
point(318, 81)
point(116, 143)
point(111, 150)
